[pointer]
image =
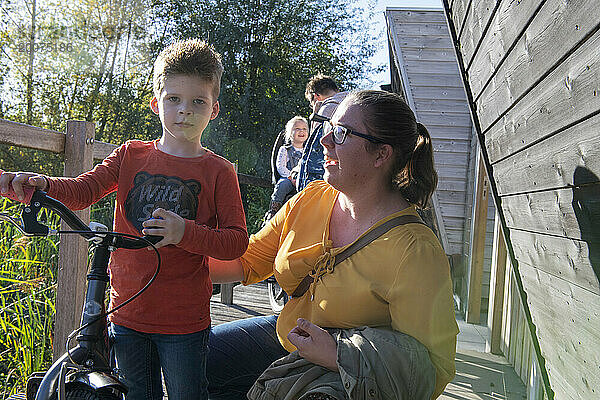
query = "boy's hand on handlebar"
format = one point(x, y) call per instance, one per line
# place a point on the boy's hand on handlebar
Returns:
point(166, 224)
point(18, 179)
point(314, 344)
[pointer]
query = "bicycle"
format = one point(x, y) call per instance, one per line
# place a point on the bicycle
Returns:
point(85, 372)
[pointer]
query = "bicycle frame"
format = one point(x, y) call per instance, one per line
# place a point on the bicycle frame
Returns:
point(88, 365)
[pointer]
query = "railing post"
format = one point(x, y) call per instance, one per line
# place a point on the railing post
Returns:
point(73, 250)
point(496, 300)
point(227, 288)
point(478, 243)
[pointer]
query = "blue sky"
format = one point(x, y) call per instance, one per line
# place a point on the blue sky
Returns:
point(379, 35)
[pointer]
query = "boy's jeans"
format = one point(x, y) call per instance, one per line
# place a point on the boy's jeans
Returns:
point(140, 357)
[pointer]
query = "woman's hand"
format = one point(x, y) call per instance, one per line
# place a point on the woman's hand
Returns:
point(314, 344)
point(166, 224)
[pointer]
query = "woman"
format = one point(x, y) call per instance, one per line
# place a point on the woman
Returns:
point(378, 165)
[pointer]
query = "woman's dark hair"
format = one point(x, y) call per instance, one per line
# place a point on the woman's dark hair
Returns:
point(387, 116)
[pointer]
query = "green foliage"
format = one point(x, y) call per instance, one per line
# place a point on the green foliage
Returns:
point(242, 152)
point(27, 290)
point(256, 203)
point(270, 49)
point(92, 60)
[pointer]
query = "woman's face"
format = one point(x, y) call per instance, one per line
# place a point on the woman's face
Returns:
point(347, 165)
point(299, 132)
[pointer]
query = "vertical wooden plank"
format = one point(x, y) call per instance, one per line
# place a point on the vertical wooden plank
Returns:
point(514, 294)
point(527, 347)
point(227, 293)
point(73, 251)
point(535, 388)
point(227, 288)
point(496, 299)
point(520, 337)
point(506, 312)
point(478, 243)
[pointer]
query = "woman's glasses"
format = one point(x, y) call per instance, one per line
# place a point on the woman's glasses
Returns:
point(339, 133)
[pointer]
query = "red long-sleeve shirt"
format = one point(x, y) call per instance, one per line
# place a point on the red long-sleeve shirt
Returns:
point(204, 191)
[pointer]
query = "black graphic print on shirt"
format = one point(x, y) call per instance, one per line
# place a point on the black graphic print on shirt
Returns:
point(150, 192)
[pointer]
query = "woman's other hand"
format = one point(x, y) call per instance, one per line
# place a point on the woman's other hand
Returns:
point(314, 344)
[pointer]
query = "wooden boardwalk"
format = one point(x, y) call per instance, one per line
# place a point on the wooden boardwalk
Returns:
point(248, 301)
point(479, 375)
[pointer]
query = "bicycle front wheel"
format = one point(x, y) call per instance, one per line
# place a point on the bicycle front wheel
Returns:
point(277, 296)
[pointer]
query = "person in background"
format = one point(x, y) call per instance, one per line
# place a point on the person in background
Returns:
point(324, 97)
point(296, 133)
point(175, 188)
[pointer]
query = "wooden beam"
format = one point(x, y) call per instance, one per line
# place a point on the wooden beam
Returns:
point(31, 137)
point(73, 249)
point(227, 288)
point(496, 299)
point(479, 224)
point(103, 150)
point(255, 181)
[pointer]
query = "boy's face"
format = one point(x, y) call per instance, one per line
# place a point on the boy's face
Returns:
point(185, 105)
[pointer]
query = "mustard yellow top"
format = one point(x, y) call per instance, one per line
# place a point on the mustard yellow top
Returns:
point(400, 280)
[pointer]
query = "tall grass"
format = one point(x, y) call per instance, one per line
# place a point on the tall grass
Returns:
point(27, 291)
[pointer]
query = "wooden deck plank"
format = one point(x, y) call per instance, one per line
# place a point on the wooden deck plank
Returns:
point(248, 301)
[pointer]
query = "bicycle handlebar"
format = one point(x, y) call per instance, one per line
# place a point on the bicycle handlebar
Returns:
point(36, 199)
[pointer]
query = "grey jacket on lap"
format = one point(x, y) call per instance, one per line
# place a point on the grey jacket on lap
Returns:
point(373, 364)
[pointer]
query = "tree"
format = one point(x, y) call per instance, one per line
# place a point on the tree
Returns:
point(270, 49)
point(86, 60)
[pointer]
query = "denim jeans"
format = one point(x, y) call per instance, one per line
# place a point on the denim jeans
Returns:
point(238, 352)
point(141, 356)
point(283, 187)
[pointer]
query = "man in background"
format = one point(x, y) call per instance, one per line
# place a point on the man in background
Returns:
point(324, 97)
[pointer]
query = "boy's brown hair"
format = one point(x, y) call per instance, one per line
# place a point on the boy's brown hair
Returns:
point(188, 57)
point(319, 84)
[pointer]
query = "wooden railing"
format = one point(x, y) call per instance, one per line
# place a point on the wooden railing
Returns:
point(80, 149)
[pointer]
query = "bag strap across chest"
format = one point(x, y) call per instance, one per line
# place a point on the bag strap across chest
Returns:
point(359, 244)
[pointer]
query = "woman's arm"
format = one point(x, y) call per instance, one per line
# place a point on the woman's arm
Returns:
point(225, 271)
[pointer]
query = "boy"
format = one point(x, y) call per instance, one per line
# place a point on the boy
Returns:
point(175, 188)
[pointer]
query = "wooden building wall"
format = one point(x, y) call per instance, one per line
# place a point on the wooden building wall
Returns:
point(532, 74)
point(425, 71)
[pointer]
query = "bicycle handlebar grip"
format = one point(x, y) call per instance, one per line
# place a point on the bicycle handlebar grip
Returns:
point(27, 190)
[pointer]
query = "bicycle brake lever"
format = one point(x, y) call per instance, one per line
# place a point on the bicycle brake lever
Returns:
point(29, 216)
